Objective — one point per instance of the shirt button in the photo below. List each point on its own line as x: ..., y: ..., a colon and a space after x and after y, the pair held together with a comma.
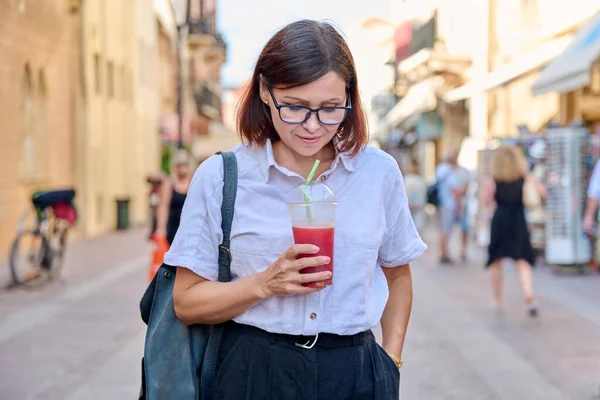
x: 313, y: 316
x: 323, y: 178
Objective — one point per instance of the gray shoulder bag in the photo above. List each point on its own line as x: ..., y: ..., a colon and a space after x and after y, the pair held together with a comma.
x: 180, y: 361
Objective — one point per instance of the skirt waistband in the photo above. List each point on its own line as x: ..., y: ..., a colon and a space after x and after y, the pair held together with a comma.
x: 320, y: 340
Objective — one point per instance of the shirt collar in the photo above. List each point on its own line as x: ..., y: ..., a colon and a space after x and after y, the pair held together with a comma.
x: 267, y: 159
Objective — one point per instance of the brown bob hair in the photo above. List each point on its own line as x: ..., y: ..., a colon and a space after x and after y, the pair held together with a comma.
x: 298, y: 54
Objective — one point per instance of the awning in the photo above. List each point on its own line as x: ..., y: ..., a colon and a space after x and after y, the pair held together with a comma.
x: 420, y: 98
x: 462, y: 92
x: 571, y: 70
x: 506, y: 73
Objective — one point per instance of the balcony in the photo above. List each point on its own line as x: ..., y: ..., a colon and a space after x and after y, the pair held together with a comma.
x: 202, y: 33
x: 208, y: 102
x: 222, y: 45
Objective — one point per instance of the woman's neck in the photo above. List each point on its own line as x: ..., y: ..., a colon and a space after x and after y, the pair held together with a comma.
x: 181, y: 181
x: 300, y: 164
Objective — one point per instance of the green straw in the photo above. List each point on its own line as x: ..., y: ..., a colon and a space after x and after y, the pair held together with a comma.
x: 310, y: 177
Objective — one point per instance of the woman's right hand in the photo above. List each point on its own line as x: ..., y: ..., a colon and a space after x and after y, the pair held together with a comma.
x: 283, y: 277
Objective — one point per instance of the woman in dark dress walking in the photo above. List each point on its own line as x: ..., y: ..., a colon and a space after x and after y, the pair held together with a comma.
x: 509, y: 232
x: 173, y: 194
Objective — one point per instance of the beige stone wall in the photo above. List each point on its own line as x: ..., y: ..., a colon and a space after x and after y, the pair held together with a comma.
x: 517, y: 29
x: 121, y: 141
x: 166, y: 73
x: 38, y: 139
x: 108, y: 45
x: 146, y: 142
x: 94, y: 128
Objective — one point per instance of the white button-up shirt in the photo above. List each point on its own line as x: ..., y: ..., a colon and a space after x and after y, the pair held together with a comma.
x: 373, y: 229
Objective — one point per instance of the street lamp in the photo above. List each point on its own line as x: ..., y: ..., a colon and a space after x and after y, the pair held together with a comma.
x: 180, y: 14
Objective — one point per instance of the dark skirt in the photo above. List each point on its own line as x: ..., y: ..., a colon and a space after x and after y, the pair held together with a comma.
x: 510, y: 236
x: 254, y: 364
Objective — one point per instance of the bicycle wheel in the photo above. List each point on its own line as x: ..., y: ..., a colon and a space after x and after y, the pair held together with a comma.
x: 26, y: 255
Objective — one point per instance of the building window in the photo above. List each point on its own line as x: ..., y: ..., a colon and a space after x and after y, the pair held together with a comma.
x: 28, y: 148
x: 97, y: 74
x: 41, y: 128
x: 110, y: 79
x: 123, y: 81
x: 129, y: 85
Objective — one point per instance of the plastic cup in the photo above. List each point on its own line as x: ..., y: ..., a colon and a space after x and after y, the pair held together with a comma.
x: 313, y: 223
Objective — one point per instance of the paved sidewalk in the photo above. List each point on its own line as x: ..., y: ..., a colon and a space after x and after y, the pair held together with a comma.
x: 84, y: 259
x: 83, y: 339
x: 459, y: 347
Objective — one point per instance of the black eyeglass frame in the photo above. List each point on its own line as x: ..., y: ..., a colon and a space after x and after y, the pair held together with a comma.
x: 310, y: 111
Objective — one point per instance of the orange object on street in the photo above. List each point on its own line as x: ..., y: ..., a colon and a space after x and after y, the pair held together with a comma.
x: 158, y: 254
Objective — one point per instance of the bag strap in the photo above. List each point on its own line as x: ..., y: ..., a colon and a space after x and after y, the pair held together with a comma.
x: 230, y: 178
x: 209, y: 364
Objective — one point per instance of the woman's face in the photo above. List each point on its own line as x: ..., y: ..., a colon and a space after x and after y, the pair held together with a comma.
x: 182, y: 170
x: 307, y: 138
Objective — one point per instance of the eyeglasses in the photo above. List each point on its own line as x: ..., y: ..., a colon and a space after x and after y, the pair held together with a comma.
x: 300, y: 114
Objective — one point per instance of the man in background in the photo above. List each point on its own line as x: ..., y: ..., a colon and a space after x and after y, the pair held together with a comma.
x: 463, y: 179
x: 453, y: 183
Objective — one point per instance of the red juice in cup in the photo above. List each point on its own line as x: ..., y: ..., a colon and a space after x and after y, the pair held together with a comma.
x: 312, y: 213
x: 321, y: 237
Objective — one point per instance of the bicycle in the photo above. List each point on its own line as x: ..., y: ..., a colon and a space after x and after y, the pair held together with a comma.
x: 38, y: 252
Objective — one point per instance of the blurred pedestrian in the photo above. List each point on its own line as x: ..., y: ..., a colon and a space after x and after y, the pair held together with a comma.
x: 463, y: 183
x: 591, y: 212
x: 449, y: 209
x: 287, y: 334
x: 416, y: 190
x: 173, y: 194
x: 155, y: 181
x: 509, y: 232
x: 593, y: 199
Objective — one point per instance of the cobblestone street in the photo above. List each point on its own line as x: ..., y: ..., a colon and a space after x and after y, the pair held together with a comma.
x: 82, y: 338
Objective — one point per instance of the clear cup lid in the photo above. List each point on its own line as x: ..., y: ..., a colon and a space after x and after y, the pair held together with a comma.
x: 316, y: 191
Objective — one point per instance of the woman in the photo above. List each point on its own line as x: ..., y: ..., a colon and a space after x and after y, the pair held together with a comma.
x: 289, y: 341
x: 172, y: 197
x: 509, y: 232
x: 416, y: 188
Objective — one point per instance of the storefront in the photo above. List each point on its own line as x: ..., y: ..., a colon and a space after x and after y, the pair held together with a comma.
x: 575, y: 75
x: 415, y: 127
x: 419, y: 126
x: 508, y: 88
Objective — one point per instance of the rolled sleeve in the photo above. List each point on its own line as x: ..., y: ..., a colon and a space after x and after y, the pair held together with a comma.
x: 402, y: 243
x: 196, y: 243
